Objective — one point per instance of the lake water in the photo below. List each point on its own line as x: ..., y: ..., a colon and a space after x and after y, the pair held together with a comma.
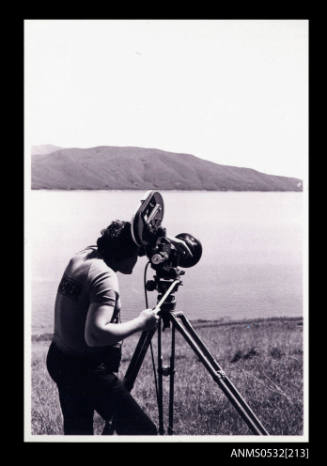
x: 252, y: 250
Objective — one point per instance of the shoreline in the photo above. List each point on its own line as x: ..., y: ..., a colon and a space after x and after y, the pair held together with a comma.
x: 203, y: 323
x: 175, y: 190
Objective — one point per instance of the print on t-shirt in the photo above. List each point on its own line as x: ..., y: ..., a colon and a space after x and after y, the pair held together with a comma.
x: 69, y: 287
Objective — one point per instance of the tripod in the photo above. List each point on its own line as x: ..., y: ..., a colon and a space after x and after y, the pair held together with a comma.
x: 177, y: 320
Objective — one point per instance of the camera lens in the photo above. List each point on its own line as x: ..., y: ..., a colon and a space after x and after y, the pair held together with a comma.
x: 195, y: 247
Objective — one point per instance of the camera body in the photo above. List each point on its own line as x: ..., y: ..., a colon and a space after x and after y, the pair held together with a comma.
x: 164, y: 252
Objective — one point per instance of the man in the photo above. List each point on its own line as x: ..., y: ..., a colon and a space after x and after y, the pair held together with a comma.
x: 85, y: 353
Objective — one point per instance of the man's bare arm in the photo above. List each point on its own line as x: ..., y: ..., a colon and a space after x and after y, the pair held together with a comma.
x: 100, y: 332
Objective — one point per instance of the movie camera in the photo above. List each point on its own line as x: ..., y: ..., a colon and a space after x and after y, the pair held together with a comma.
x: 165, y: 254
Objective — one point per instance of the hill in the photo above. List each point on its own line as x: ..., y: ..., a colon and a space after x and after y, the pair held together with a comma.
x: 107, y: 167
x: 44, y: 149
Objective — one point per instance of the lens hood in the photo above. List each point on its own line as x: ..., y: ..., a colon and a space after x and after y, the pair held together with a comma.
x: 196, y: 249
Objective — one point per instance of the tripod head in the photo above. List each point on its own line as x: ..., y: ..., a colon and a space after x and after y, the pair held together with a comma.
x: 166, y: 299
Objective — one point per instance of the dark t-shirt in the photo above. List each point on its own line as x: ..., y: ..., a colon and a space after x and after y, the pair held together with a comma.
x: 87, y: 279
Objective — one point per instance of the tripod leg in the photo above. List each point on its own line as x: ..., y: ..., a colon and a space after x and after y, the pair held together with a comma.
x: 213, y: 361
x: 171, y: 383
x: 220, y: 378
x: 160, y: 383
x: 138, y: 358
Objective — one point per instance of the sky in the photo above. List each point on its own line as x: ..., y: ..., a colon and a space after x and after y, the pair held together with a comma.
x: 233, y: 92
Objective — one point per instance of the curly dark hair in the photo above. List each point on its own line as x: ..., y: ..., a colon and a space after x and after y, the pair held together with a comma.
x: 116, y: 241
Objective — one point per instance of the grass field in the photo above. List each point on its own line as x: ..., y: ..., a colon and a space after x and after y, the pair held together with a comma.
x: 263, y: 359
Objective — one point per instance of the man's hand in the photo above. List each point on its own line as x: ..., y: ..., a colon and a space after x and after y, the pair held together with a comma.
x: 149, y: 318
